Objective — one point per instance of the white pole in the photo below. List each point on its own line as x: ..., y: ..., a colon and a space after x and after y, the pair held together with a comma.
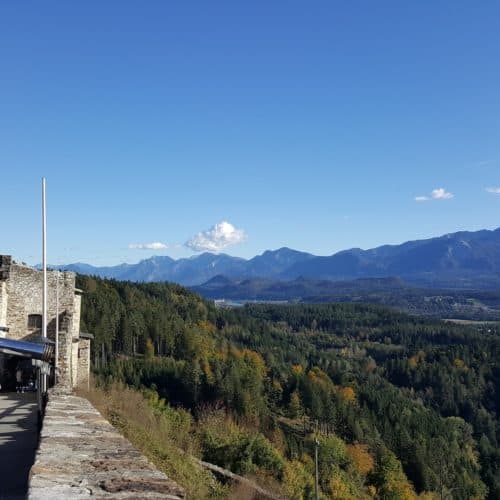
x: 316, y: 474
x: 57, y: 323
x: 44, y: 266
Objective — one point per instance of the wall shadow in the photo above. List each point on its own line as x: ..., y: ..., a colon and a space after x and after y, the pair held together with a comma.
x: 18, y: 443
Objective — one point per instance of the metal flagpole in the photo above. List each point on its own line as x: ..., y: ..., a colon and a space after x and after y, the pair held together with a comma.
x: 44, y: 266
x: 56, y: 363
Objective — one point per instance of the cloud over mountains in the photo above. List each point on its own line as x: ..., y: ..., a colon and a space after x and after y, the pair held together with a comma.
x: 215, y: 239
x: 156, y: 245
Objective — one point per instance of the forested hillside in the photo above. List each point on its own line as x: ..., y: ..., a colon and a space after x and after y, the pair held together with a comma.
x: 401, y: 406
x: 478, y: 305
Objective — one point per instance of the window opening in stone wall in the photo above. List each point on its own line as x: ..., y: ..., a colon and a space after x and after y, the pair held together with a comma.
x: 35, y: 321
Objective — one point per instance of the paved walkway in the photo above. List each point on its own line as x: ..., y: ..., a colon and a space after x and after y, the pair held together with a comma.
x: 18, y: 442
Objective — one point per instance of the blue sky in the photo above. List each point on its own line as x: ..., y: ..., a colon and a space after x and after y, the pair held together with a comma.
x: 313, y: 125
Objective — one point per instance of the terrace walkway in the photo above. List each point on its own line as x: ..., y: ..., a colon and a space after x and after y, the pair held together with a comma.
x: 18, y: 443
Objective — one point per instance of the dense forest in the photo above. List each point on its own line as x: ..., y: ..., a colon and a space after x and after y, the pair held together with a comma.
x: 468, y: 304
x: 401, y: 406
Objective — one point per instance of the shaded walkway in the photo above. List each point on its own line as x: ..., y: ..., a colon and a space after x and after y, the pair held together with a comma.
x: 18, y: 442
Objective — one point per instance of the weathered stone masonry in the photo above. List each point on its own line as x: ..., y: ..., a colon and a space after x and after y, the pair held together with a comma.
x: 21, y: 309
x: 83, y: 360
x: 81, y: 455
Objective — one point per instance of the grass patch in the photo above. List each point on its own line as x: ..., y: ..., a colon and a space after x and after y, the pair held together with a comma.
x: 160, y: 432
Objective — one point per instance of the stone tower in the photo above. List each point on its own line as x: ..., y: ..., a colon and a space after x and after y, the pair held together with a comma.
x: 21, y: 314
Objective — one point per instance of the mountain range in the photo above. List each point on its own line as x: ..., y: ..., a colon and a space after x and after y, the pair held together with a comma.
x: 199, y: 268
x: 458, y: 260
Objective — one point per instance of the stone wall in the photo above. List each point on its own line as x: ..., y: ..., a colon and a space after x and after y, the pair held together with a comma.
x: 81, y: 455
x: 3, y: 308
x: 77, y: 307
x: 64, y: 367
x: 74, y: 362
x: 83, y: 363
x: 5, y: 263
x: 21, y: 289
x: 24, y: 297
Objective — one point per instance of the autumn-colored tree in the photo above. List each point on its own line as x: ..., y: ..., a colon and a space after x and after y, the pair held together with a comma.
x: 207, y: 326
x: 460, y: 364
x: 348, y: 394
x: 340, y: 488
x: 298, y: 482
x: 317, y: 376
x: 150, y: 349
x: 361, y: 458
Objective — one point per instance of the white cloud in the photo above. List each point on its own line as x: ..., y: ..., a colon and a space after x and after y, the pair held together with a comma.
x: 216, y: 238
x: 441, y: 194
x: 156, y: 245
x: 494, y: 190
x: 436, y: 194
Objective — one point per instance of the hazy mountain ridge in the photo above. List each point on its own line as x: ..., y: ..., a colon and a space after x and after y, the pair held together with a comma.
x: 198, y: 269
x: 465, y: 252
x: 457, y: 260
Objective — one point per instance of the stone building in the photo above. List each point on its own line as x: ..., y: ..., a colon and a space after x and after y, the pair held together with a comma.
x: 21, y: 289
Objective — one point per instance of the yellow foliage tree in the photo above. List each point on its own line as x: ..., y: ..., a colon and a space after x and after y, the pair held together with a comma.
x: 342, y: 487
x: 298, y: 483
x: 207, y: 326
x: 348, y: 394
x: 318, y: 376
x: 416, y: 359
x: 393, y: 482
x: 339, y: 490
x: 150, y: 349
x: 413, y: 362
x: 361, y: 458
x: 460, y: 364
x: 255, y: 359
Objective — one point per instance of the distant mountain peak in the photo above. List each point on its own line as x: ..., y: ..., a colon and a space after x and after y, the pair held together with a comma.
x: 465, y: 259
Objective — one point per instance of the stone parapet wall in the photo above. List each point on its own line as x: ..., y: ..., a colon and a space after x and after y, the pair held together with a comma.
x: 81, y: 455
